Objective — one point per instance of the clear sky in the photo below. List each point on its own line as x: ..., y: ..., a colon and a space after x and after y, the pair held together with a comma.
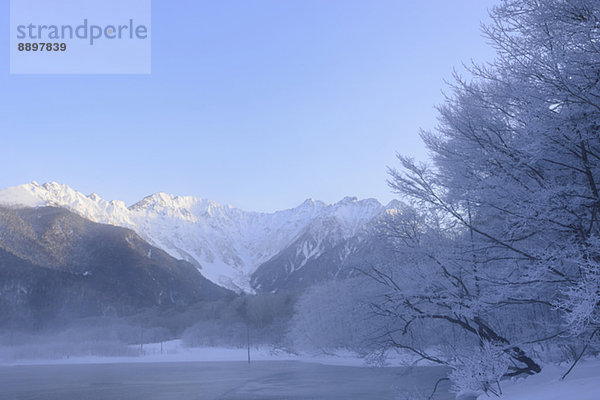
x: 259, y: 104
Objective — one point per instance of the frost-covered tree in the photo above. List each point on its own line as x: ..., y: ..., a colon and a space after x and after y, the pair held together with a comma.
x: 334, y: 315
x: 442, y: 301
x: 505, y: 240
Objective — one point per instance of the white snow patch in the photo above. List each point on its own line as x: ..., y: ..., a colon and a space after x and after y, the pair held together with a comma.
x: 583, y: 383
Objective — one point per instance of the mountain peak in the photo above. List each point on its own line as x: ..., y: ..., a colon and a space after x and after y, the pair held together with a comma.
x: 54, y: 185
x: 349, y: 199
x: 163, y: 200
x: 354, y: 202
x: 311, y: 203
x: 94, y: 197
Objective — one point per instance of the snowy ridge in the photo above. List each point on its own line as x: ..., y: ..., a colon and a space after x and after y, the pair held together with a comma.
x: 227, y: 244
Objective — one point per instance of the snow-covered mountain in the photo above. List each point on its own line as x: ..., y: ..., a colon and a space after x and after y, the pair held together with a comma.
x: 227, y: 244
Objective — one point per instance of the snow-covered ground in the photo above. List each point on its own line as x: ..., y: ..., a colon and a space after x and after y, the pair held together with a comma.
x: 583, y: 383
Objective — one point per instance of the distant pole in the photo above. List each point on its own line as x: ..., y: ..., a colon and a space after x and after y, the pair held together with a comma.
x: 161, y: 347
x: 248, y: 337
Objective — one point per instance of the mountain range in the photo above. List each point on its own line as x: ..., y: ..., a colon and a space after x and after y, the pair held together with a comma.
x: 238, y: 250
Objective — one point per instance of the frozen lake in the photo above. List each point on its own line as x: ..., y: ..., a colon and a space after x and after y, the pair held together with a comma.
x: 260, y: 380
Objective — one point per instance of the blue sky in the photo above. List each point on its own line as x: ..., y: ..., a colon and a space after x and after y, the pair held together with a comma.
x: 259, y: 104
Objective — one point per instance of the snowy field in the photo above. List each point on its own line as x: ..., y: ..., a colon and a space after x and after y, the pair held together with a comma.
x: 583, y: 383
